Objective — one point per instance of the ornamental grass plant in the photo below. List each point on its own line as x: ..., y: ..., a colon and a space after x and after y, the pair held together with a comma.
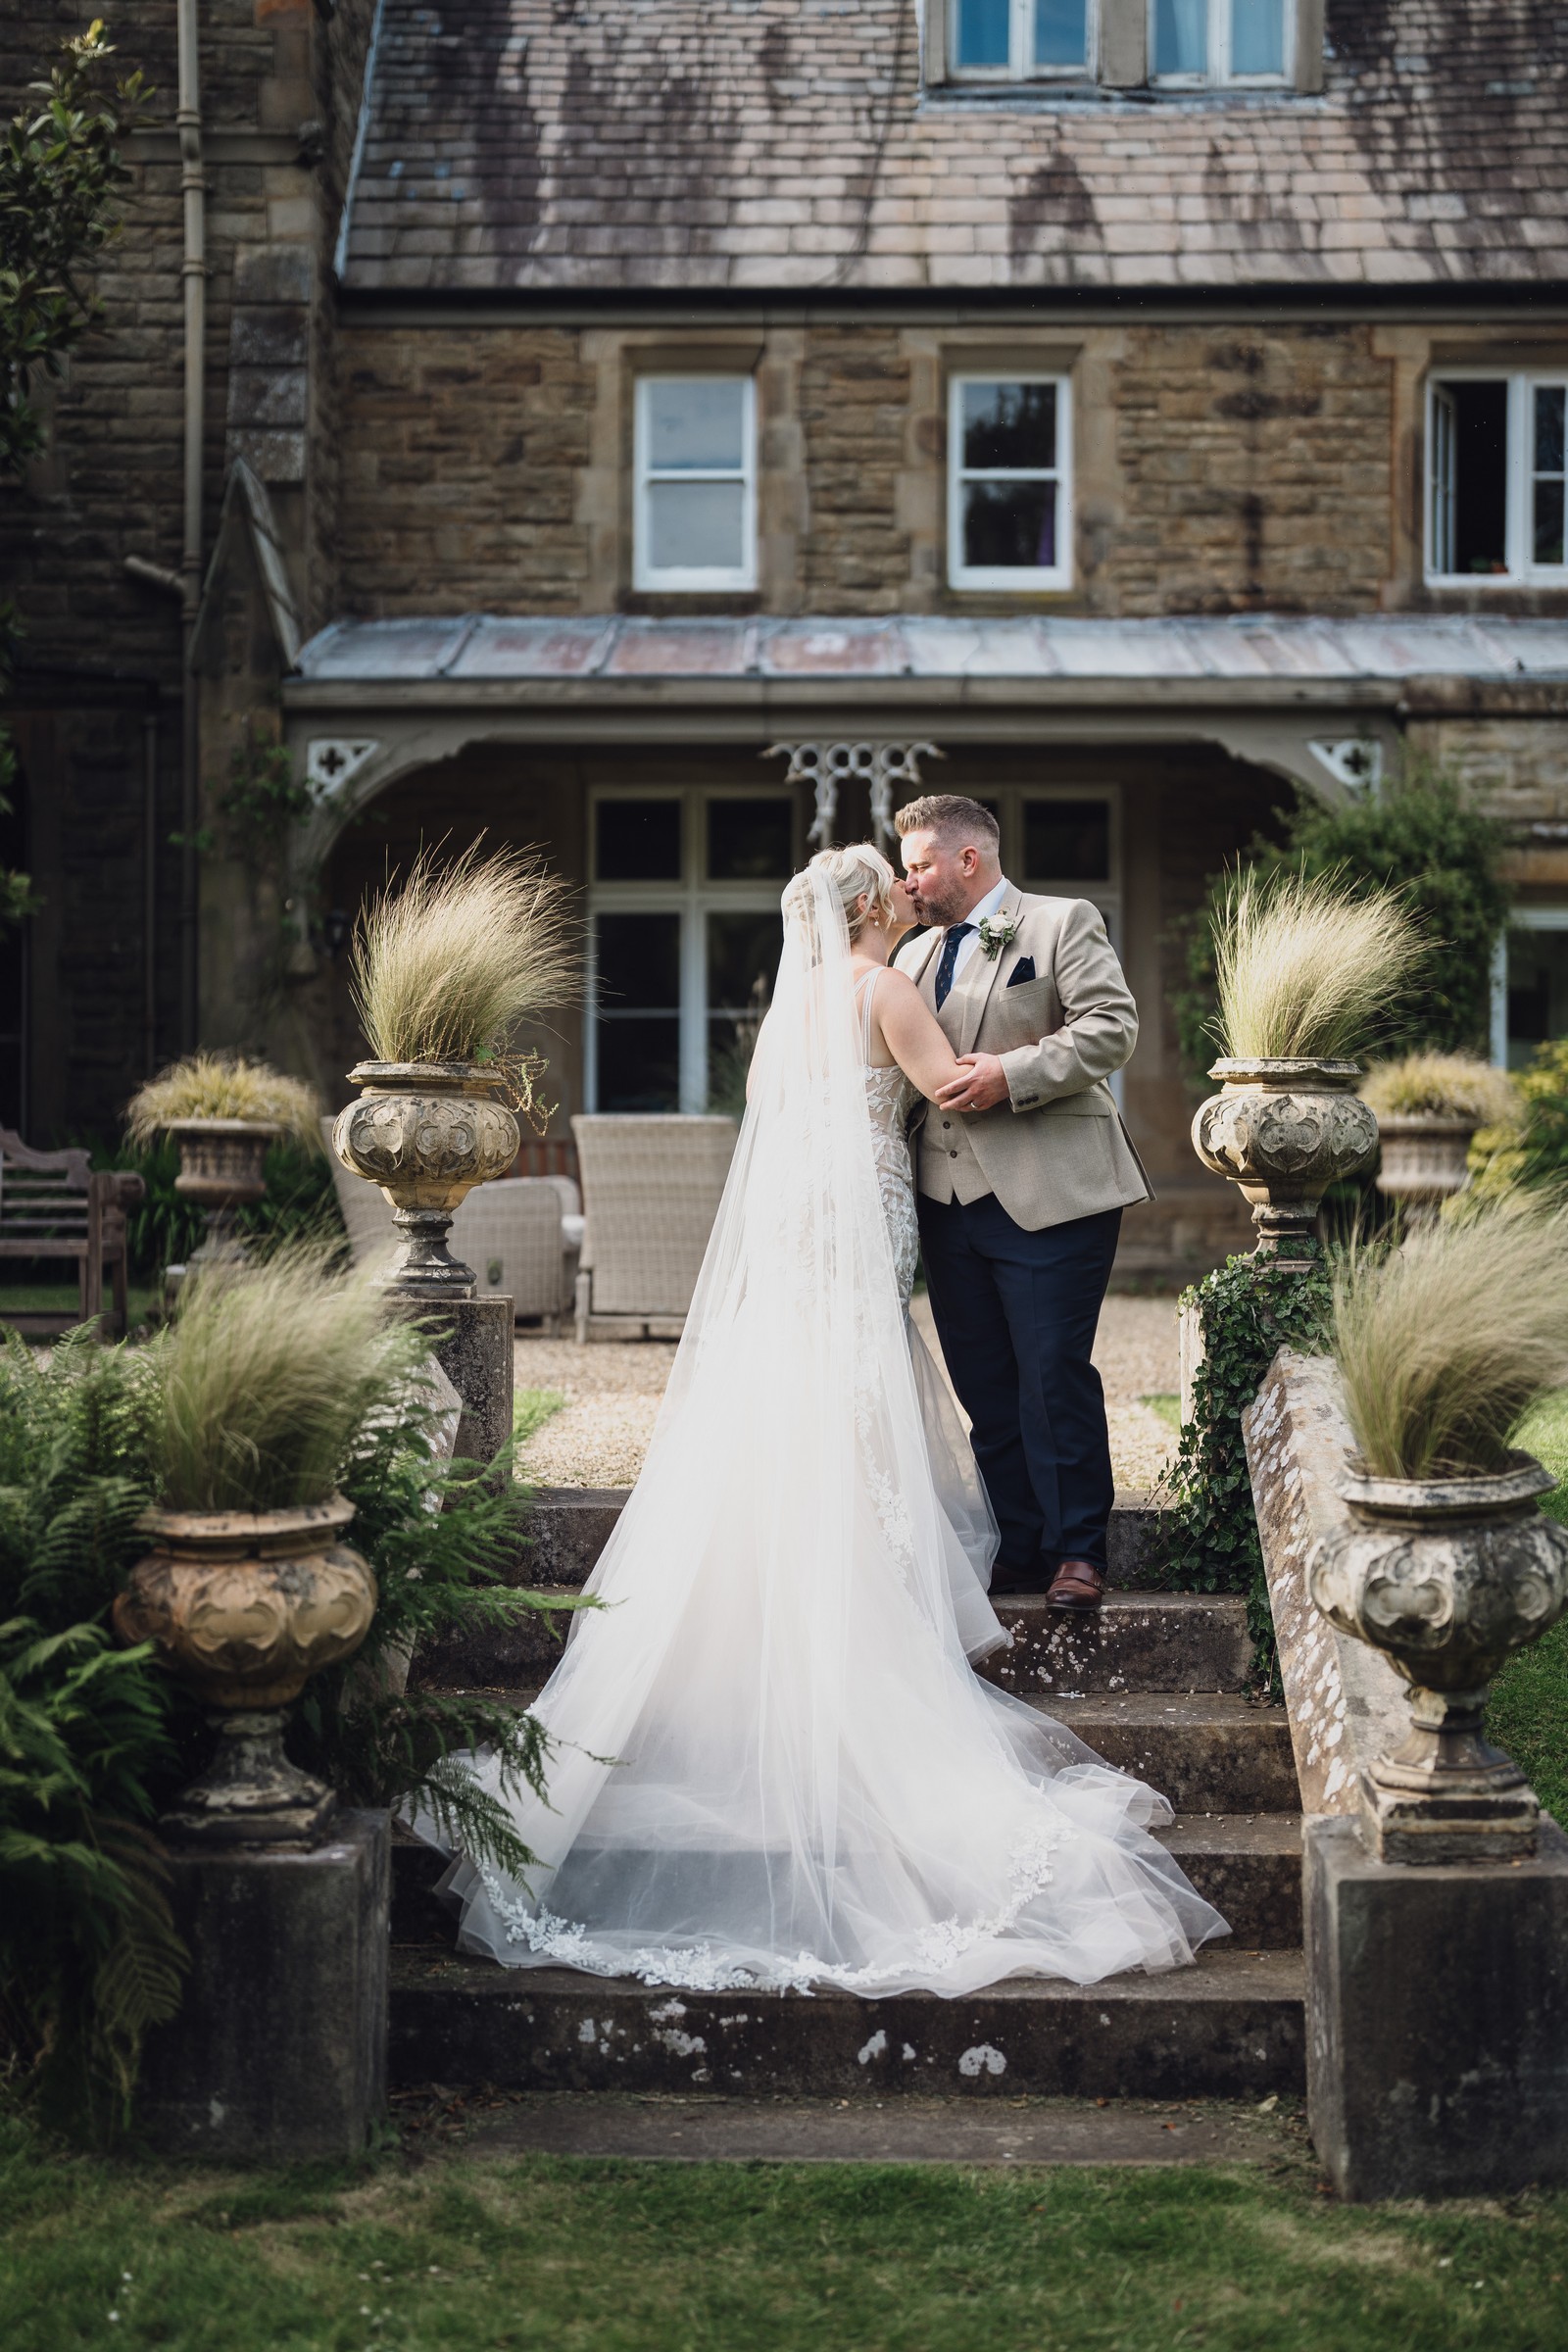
x: 1445, y: 1344
x: 1305, y: 970
x: 1441, y: 1086
x: 269, y: 1377
x: 225, y: 1086
x: 448, y: 967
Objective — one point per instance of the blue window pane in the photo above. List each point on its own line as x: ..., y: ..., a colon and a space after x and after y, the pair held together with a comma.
x: 1257, y: 37
x: 983, y: 32
x: 1181, y: 36
x: 1061, y: 33
x: 1549, y: 418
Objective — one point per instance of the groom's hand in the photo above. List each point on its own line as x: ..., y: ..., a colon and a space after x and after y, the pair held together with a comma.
x: 982, y: 1087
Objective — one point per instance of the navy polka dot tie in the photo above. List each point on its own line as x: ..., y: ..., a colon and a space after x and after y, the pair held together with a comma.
x: 959, y: 933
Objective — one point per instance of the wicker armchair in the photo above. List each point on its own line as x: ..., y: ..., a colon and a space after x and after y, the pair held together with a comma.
x: 651, y: 1191
x: 520, y: 1236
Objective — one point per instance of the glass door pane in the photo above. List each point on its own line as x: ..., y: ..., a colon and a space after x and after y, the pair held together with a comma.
x: 751, y: 840
x: 637, y: 1011
x: 1066, y: 841
x: 743, y: 952
x: 637, y: 841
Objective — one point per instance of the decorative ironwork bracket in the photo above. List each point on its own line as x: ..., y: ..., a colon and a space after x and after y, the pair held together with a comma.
x: 829, y: 767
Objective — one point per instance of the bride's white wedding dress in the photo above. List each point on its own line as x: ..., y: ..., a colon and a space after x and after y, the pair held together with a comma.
x: 775, y: 1765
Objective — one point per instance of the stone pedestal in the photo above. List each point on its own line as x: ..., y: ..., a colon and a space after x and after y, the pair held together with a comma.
x: 280, y: 2047
x: 1437, y: 2019
x: 473, y: 1348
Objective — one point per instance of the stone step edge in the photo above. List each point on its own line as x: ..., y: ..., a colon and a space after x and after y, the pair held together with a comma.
x: 1231, y: 2025
x: 1247, y: 1864
x: 570, y: 1526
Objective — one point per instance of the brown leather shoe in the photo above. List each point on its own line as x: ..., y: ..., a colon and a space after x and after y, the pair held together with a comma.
x: 1077, y: 1585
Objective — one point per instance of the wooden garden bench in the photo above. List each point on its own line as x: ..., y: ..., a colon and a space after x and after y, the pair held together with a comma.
x: 53, y: 1205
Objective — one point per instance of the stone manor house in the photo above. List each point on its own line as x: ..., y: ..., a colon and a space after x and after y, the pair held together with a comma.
x: 664, y: 431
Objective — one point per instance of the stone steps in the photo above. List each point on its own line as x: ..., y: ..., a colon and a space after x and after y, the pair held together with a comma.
x: 1153, y: 1684
x: 1249, y: 1866
x: 1207, y: 1754
x: 1190, y: 1641
x: 1230, y: 2027
x: 570, y: 1527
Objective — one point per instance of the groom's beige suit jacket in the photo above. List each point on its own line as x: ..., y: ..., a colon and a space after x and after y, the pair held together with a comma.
x: 1056, y: 1149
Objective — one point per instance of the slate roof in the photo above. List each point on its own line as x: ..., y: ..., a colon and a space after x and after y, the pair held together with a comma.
x: 1252, y: 648
x: 789, y: 144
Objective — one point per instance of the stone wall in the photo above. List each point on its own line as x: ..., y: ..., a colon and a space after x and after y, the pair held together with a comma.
x: 461, y: 453
x: 1216, y: 470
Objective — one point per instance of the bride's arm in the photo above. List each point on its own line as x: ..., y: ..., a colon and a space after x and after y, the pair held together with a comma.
x: 913, y: 1035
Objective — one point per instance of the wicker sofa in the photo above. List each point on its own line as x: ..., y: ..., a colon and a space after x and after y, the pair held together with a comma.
x: 521, y: 1236
x: 651, y: 1191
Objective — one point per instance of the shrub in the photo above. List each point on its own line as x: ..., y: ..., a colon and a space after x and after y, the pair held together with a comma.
x: 1420, y: 836
x: 1444, y: 1345
x: 1247, y: 1310
x: 1303, y: 968
x: 446, y: 969
x: 1528, y: 1149
x: 1440, y: 1086
x: 225, y: 1086
x: 269, y: 1377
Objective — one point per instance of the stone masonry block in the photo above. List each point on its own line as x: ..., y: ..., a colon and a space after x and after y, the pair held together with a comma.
x: 280, y: 2047
x: 1437, y: 2020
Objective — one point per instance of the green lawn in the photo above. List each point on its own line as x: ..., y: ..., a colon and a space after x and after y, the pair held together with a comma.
x: 463, y: 2252
x: 1168, y: 1406
x: 1528, y: 1713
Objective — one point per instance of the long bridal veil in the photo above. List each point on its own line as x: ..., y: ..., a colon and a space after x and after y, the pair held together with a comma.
x: 775, y: 1765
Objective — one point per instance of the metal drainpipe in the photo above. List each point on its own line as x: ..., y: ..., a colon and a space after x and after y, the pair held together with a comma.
x: 148, y: 891
x: 193, y: 188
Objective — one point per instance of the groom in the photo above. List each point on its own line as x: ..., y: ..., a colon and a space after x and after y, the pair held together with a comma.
x: 1023, y: 1168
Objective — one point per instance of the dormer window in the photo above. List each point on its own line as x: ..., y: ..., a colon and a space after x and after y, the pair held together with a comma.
x: 1201, y: 42
x: 1168, y: 47
x: 1020, y: 40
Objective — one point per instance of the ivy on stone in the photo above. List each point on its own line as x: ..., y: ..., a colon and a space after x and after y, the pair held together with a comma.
x: 1248, y: 1309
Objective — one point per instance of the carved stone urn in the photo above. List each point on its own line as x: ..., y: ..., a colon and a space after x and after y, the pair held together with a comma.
x: 428, y: 1132
x: 221, y: 1166
x: 1447, y: 1577
x: 245, y: 1607
x: 1284, y: 1132
x: 1425, y: 1158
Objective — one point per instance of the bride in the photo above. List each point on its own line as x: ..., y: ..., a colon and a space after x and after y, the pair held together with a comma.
x: 773, y: 1765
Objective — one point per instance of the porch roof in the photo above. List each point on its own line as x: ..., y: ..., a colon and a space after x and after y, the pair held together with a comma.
x: 1190, y: 656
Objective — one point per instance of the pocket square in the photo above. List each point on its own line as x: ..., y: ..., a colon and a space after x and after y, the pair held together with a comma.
x: 1021, y: 973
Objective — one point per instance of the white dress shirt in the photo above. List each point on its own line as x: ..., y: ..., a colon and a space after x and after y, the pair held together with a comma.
x: 969, y: 947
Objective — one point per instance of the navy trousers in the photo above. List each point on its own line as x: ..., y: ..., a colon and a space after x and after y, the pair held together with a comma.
x: 1016, y: 1314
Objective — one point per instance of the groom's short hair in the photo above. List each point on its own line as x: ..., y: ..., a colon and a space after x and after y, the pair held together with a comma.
x: 952, y: 817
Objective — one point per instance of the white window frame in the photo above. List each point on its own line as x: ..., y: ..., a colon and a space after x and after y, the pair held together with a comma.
x: 1522, y: 569
x: 693, y: 897
x: 1020, y: 64
x: 694, y: 578
x: 1022, y: 578
x: 1219, y: 75
x: 1522, y: 918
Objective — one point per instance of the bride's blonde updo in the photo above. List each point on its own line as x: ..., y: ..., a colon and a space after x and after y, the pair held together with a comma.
x: 861, y: 871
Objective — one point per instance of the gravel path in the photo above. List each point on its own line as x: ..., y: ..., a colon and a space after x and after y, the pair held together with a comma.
x: 612, y: 1389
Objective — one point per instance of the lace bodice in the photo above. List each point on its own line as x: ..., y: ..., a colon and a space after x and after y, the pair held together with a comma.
x: 890, y: 1098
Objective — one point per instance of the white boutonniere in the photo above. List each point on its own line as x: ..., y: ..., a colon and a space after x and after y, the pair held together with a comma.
x: 997, y: 931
